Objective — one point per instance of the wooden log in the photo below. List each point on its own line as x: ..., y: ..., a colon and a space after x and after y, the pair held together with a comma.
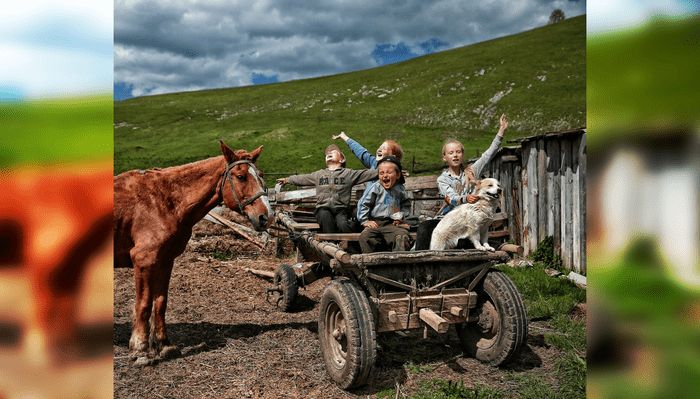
x: 433, y: 320
x: 394, y: 258
x: 511, y: 248
x: 330, y: 250
x: 577, y: 279
x: 293, y: 225
x: 261, y: 273
x: 249, y: 234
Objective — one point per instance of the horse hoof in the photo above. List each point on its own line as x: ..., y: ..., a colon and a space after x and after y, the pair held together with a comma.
x: 169, y: 352
x: 142, y: 361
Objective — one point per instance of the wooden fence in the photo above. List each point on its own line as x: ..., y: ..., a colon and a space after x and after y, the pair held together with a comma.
x: 544, y: 181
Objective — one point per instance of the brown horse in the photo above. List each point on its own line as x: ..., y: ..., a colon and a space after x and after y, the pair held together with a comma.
x: 154, y: 213
x: 54, y: 223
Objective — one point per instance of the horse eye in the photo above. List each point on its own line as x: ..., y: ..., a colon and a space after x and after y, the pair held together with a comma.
x: 241, y: 177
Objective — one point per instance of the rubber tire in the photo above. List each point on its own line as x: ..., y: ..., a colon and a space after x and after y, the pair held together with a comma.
x: 496, y: 292
x: 286, y: 280
x: 343, y: 300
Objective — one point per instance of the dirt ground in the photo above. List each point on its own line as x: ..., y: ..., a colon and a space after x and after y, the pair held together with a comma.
x: 236, y: 344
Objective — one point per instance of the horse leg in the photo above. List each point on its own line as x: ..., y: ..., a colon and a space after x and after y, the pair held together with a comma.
x: 144, y: 268
x: 158, y: 336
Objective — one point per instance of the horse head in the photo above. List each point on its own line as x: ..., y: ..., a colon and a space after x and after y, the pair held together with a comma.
x: 243, y: 188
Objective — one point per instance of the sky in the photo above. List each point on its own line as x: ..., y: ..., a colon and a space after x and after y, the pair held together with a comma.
x: 166, y: 46
x: 609, y: 15
x: 55, y: 48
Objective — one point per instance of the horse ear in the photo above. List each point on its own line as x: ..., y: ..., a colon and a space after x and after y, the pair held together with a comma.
x: 256, y: 153
x: 228, y: 152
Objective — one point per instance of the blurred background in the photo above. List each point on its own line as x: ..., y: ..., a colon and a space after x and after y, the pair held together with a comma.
x: 56, y: 140
x: 56, y: 147
x: 643, y: 124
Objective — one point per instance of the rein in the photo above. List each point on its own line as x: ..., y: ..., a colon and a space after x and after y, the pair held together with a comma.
x: 227, y: 176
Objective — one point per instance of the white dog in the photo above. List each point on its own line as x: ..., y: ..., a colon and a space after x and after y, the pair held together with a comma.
x: 469, y: 220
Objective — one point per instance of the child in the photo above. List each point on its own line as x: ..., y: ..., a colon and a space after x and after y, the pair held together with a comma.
x: 383, y: 208
x: 388, y: 147
x: 456, y: 181
x: 333, y: 189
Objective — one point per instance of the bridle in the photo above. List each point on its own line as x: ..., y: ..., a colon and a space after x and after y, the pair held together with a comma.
x: 227, y: 176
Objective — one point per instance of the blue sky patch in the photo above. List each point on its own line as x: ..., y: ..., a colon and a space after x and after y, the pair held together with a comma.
x: 261, y: 78
x: 387, y: 53
x: 122, y: 91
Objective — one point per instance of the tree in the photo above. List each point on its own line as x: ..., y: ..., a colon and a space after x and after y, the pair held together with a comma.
x: 556, y: 16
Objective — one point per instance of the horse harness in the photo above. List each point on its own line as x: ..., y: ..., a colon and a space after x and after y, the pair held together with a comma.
x: 228, y: 176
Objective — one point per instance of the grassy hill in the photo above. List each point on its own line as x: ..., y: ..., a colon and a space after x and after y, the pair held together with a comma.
x: 645, y: 76
x: 58, y: 130
x: 536, y: 77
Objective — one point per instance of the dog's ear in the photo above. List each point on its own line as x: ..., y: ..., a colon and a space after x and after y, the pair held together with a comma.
x: 476, y: 186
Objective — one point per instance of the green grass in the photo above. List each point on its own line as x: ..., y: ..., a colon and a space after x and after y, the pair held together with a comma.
x: 544, y: 296
x: 419, y: 102
x: 51, y: 131
x: 443, y: 389
x: 643, y: 77
x: 650, y: 311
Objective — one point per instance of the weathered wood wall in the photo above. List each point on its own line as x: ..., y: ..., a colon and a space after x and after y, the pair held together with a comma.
x: 544, y: 183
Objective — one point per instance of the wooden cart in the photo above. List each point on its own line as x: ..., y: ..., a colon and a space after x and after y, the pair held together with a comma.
x: 393, y: 291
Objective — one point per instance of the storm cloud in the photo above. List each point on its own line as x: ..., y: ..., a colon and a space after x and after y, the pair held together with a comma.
x: 166, y: 46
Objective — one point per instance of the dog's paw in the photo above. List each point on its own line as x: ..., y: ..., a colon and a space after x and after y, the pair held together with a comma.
x: 490, y: 248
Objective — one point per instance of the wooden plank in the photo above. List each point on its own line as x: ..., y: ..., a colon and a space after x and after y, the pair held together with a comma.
x: 566, y: 203
x: 346, y: 236
x: 499, y: 234
x: 510, y: 158
x: 421, y: 182
x: 582, y: 154
x: 291, y: 196
x: 542, y: 188
x: 554, y: 209
x: 532, y: 198
x: 516, y: 192
x: 575, y: 208
x: 258, y: 239
x: 508, y: 197
x: 525, y: 200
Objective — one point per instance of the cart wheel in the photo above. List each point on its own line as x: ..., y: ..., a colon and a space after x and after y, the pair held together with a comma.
x: 285, y: 282
x: 347, y: 335
x: 501, y: 330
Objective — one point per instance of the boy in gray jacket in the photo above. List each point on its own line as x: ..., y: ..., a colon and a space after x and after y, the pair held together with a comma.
x: 383, y: 209
x: 333, y: 190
